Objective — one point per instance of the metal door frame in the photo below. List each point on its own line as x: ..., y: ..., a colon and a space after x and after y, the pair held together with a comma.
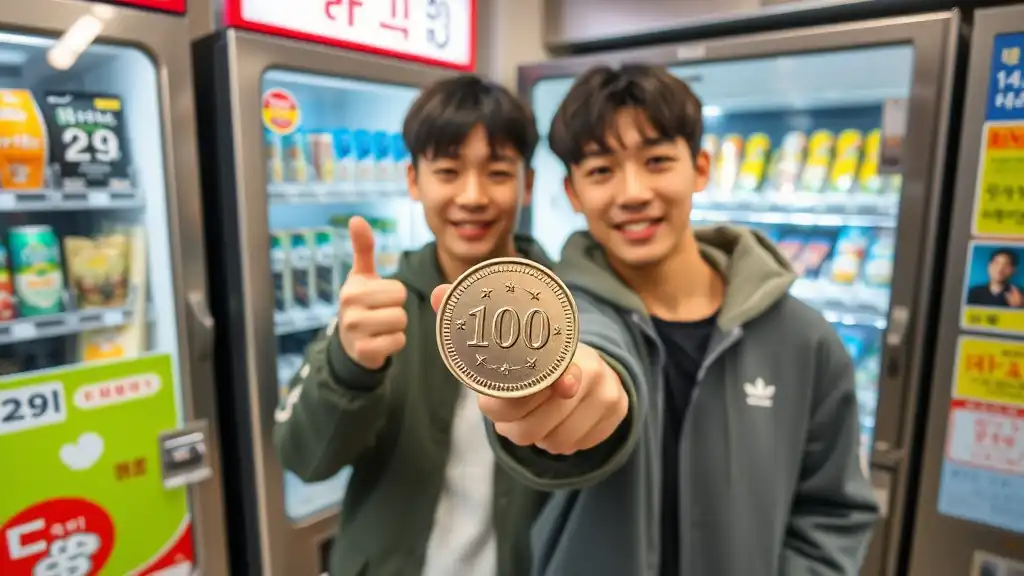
x: 285, y: 547
x: 934, y: 39
x: 935, y: 531
x: 164, y: 38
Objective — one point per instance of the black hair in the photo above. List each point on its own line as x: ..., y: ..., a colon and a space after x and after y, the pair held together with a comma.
x: 1010, y: 255
x: 588, y: 112
x: 446, y: 112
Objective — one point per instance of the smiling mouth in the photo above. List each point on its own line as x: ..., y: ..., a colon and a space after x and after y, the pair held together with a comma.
x: 472, y: 230
x: 639, y: 230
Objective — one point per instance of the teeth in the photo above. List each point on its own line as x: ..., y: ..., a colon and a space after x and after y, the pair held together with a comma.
x: 636, y: 226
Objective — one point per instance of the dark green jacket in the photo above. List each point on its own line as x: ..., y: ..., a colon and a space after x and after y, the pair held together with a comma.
x: 393, y: 426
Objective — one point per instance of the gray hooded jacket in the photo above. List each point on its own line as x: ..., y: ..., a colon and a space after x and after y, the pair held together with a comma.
x: 770, y: 478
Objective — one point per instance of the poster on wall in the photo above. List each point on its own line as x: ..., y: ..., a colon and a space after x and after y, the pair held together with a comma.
x: 983, y: 473
x: 86, y: 496
x: 993, y: 292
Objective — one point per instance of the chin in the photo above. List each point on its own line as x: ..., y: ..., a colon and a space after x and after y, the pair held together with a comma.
x: 640, y: 256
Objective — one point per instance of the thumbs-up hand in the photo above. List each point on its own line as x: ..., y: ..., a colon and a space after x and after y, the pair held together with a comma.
x: 372, y: 316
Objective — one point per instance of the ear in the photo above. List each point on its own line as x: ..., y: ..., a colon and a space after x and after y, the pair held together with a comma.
x: 702, y: 170
x: 527, y: 186
x: 410, y: 180
x: 570, y: 191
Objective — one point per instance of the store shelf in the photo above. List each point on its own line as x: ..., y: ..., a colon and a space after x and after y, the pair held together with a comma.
x: 62, y: 200
x: 854, y: 305
x: 289, y: 193
x: 302, y: 320
x: 831, y: 210
x: 64, y: 324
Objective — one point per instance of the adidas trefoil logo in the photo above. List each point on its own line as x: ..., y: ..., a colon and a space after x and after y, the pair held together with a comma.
x: 759, y: 393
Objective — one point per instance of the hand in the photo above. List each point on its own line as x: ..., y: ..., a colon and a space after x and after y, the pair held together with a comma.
x: 1014, y: 298
x: 371, y: 318
x: 578, y: 411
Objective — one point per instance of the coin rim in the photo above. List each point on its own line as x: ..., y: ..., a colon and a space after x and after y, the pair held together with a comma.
x: 495, y: 262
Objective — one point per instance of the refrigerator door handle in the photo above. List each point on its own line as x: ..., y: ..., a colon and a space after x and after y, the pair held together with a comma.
x: 200, y: 326
x: 895, y: 341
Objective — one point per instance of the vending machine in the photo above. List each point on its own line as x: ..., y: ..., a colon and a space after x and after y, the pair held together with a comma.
x: 299, y: 134
x: 970, y: 504
x: 831, y: 141
x: 108, y: 424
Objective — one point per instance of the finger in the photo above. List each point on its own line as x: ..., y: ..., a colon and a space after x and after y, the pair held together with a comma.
x: 563, y: 438
x: 375, y: 322
x: 438, y: 295
x: 378, y: 293
x: 380, y: 347
x: 362, y: 247
x: 569, y: 384
x: 511, y: 409
x: 539, y: 423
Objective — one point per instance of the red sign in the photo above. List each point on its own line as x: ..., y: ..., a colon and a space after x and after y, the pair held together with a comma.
x: 175, y: 6
x: 435, y: 32
x: 60, y: 536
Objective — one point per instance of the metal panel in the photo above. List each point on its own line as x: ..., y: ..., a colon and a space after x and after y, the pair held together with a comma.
x: 943, y: 544
x: 164, y: 39
x: 286, y: 548
x: 934, y: 39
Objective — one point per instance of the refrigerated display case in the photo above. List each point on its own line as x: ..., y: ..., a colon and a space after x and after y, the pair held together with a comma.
x: 970, y: 503
x: 105, y: 340
x: 829, y: 140
x: 302, y: 138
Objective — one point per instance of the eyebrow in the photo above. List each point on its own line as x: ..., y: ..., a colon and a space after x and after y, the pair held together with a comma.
x: 595, y: 150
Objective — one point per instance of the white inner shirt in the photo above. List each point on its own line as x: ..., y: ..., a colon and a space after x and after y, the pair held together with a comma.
x: 462, y: 540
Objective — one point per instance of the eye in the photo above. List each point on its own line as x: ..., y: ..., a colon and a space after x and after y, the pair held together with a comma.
x: 500, y: 175
x: 598, y: 171
x: 660, y: 162
x: 446, y: 174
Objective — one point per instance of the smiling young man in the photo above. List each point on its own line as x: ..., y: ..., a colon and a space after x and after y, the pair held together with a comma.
x: 425, y: 496
x: 739, y: 453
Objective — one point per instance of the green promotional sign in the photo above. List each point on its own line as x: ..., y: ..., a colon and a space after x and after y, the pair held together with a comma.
x: 82, y: 487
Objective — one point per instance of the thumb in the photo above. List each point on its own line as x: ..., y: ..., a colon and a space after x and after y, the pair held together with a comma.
x: 568, y: 385
x: 438, y: 295
x: 362, y: 247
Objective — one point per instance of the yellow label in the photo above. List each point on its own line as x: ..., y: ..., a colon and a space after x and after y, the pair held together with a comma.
x: 994, y: 319
x: 107, y: 104
x: 1000, y: 194
x: 990, y: 370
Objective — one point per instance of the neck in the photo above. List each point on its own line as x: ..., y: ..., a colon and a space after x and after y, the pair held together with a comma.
x: 996, y: 287
x: 681, y: 288
x: 453, y: 267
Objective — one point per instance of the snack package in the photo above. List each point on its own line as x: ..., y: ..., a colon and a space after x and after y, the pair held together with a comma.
x: 98, y: 270
x: 881, y: 256
x: 790, y: 246
x: 786, y: 162
x: 23, y: 141
x: 812, y: 257
x: 868, y: 180
x: 847, y: 161
x: 7, y: 308
x: 819, y: 158
x: 849, y: 255
x: 755, y: 160
x: 344, y: 157
x: 296, y: 157
x: 727, y: 164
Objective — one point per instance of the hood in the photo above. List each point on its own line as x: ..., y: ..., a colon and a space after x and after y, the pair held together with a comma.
x: 421, y: 273
x: 757, y: 275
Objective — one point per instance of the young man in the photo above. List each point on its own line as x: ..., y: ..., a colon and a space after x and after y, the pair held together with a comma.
x: 425, y: 496
x: 739, y: 452
x: 999, y: 291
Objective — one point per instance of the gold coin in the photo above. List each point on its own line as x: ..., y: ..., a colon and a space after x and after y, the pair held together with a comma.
x: 507, y: 328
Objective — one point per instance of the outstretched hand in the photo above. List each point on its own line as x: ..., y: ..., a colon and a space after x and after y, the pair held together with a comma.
x: 578, y: 411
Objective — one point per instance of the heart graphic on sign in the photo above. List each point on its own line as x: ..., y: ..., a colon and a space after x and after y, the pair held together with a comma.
x: 81, y: 455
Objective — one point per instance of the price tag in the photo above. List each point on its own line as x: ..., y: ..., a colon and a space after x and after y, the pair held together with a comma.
x: 437, y: 32
x: 23, y: 331
x: 988, y: 436
x: 8, y: 200
x: 113, y: 318
x: 99, y: 198
x: 1006, y: 83
x: 31, y: 407
x: 87, y: 143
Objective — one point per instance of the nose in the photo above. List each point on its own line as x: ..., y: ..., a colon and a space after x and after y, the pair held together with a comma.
x: 637, y: 191
x: 472, y: 194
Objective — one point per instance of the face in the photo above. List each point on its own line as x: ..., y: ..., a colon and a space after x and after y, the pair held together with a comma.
x: 472, y: 201
x: 1000, y: 268
x: 637, y: 196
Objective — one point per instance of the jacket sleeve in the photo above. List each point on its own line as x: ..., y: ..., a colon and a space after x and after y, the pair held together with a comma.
x: 834, y: 510
x: 606, y: 333
x: 333, y: 413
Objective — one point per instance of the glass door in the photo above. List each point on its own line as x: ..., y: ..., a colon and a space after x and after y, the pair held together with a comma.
x: 334, y: 150
x: 89, y: 366
x: 797, y: 153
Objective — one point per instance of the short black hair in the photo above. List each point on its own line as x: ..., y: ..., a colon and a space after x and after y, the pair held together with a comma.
x: 446, y: 112
x: 588, y: 112
x: 1010, y: 255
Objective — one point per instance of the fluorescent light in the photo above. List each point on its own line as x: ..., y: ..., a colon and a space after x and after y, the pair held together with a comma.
x: 78, y: 37
x: 711, y: 111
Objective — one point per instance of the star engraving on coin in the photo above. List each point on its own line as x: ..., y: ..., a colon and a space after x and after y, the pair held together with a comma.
x: 512, y: 342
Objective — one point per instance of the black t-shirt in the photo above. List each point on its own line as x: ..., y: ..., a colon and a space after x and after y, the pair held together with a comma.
x: 685, y: 345
x: 982, y: 296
